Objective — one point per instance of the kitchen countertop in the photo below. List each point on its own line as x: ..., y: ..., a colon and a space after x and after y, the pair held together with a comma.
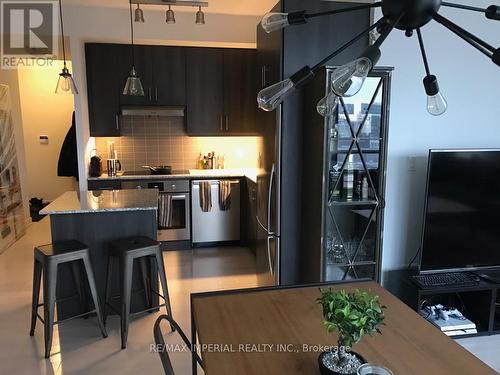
x: 77, y: 202
x: 251, y: 173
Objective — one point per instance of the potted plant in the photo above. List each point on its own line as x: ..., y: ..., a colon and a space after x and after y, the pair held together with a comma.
x: 353, y: 315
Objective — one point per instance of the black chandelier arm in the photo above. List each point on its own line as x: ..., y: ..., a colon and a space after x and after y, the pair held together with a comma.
x: 386, y: 31
x: 492, y: 12
x: 422, y: 50
x: 319, y: 65
x: 473, y: 40
x: 343, y: 10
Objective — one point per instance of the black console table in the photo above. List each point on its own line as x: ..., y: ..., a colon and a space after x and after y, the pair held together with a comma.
x: 479, y: 303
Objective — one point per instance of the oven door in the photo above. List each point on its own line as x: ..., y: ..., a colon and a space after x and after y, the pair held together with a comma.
x: 177, y: 227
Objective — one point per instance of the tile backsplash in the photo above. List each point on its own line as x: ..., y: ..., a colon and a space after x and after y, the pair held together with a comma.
x: 163, y: 141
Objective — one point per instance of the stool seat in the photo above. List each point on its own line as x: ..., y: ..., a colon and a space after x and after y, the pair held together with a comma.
x: 127, y: 251
x: 133, y: 244
x: 47, y: 259
x: 61, y: 249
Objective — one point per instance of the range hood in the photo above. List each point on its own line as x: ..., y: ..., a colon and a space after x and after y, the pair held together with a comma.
x: 153, y: 111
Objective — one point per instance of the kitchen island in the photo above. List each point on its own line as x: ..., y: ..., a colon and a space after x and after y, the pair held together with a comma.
x: 96, y: 218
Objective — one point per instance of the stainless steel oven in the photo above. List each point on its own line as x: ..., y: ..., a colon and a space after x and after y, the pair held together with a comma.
x: 174, y: 222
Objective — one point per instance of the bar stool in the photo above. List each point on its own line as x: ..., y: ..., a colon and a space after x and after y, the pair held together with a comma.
x: 128, y: 250
x: 47, y: 258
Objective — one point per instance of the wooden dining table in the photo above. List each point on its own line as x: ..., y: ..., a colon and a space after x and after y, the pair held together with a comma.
x: 280, y: 330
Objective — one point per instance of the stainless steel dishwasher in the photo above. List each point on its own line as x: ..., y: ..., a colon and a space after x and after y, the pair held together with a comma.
x: 215, y: 225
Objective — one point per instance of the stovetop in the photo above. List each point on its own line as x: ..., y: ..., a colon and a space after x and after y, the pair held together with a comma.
x: 148, y: 173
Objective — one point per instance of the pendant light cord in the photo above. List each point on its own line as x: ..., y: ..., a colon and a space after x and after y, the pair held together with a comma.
x: 62, y: 31
x: 131, y: 34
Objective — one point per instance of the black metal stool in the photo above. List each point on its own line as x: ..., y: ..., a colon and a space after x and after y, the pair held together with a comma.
x: 127, y: 251
x: 47, y: 260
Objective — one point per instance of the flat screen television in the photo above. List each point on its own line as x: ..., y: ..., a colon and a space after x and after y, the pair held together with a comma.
x: 462, y: 211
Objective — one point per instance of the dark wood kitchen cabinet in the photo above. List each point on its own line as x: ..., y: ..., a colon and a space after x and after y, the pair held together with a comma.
x: 103, y: 83
x: 163, y: 74
x: 218, y: 86
x: 205, y: 91
x: 221, y: 91
x: 240, y: 91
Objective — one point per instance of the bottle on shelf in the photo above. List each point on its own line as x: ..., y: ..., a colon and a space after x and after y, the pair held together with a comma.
x: 335, y: 168
x: 349, y: 178
x: 200, y: 162
x: 364, y: 189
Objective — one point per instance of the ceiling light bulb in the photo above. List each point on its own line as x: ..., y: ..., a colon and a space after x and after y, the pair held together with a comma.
x: 139, y: 14
x: 436, y: 103
x: 66, y: 84
x: 170, y: 16
x: 200, y: 17
x: 348, y: 79
x: 326, y: 106
x: 274, y: 21
x: 271, y: 97
x: 133, y: 86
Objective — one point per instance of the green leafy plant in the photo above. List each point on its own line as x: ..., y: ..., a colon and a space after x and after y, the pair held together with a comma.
x: 353, y: 315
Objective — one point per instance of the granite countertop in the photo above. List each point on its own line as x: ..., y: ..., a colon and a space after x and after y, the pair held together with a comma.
x: 251, y: 173
x: 79, y: 202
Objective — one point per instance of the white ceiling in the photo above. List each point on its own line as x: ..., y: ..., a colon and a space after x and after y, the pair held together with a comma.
x: 239, y: 7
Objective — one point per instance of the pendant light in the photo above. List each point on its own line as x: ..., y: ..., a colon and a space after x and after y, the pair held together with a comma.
x: 348, y: 79
x: 65, y: 84
x: 200, y: 17
x: 133, y: 86
x: 170, y: 16
x: 139, y: 14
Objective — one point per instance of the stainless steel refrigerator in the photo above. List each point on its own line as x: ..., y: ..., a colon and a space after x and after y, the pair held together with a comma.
x: 280, y: 205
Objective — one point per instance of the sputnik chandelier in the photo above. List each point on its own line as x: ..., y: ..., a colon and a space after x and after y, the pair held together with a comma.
x: 347, y: 80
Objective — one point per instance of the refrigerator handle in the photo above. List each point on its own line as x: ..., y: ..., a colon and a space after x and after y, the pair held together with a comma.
x: 269, y: 255
x: 269, y: 200
x: 261, y: 225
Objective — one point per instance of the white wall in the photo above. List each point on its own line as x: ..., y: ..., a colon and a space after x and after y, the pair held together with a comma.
x: 44, y: 113
x: 90, y: 24
x: 470, y: 82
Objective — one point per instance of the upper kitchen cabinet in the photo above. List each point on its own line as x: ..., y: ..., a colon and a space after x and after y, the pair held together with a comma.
x: 169, y: 75
x: 205, y: 91
x: 221, y: 91
x: 163, y: 74
x: 103, y: 89
x: 240, y: 91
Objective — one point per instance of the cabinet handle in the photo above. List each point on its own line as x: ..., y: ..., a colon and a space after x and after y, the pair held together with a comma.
x: 156, y: 94
x: 149, y: 93
x: 117, y: 122
x: 227, y: 122
x: 221, y: 123
x: 262, y: 82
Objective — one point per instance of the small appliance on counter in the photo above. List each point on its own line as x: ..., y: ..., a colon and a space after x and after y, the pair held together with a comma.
x: 95, y: 169
x: 113, y: 164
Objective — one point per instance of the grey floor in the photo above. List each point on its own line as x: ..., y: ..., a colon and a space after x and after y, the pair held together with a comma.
x: 78, y: 347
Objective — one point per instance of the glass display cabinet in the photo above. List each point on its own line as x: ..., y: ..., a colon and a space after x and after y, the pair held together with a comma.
x: 355, y: 169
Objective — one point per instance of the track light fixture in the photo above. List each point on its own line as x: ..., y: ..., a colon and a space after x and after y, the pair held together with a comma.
x: 139, y: 14
x: 170, y: 16
x: 347, y: 80
x: 200, y: 17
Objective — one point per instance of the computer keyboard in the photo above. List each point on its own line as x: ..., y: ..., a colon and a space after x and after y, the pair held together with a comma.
x: 435, y: 280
